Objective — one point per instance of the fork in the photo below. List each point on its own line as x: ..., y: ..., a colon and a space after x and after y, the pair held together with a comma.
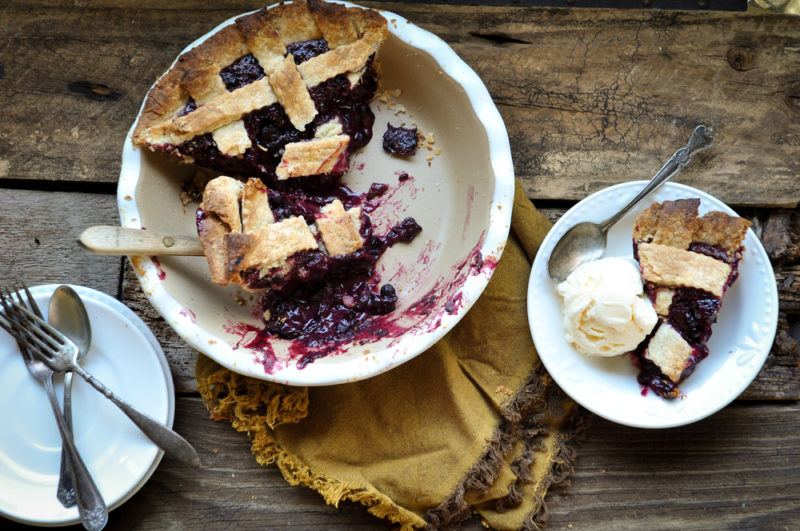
x: 60, y: 354
x: 91, y: 507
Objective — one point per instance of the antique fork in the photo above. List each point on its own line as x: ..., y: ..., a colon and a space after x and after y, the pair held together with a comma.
x: 60, y: 354
x: 91, y: 507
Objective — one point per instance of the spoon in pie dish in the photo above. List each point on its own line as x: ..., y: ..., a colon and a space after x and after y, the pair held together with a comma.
x: 587, y: 241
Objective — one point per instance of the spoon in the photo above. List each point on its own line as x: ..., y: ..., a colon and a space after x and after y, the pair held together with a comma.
x: 68, y: 315
x: 586, y: 242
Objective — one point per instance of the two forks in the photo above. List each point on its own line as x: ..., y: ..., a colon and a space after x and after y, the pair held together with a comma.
x: 47, y: 351
x: 91, y: 507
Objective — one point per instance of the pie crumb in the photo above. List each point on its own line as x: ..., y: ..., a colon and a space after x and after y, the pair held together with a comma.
x: 428, y: 141
x: 193, y: 190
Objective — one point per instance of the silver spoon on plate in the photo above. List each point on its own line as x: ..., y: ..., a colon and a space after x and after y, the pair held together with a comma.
x: 67, y: 314
x: 586, y: 242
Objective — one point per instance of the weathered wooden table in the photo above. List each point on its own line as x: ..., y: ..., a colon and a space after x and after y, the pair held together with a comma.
x: 590, y: 98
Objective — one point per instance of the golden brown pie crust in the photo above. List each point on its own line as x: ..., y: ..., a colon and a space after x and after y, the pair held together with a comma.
x: 677, y: 224
x: 339, y: 228
x: 353, y: 35
x: 667, y: 266
x: 239, y: 230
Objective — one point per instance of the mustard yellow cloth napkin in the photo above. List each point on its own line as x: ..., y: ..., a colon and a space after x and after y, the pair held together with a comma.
x: 473, y: 425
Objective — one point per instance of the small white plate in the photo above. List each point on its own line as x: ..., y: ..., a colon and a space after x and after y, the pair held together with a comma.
x: 128, y: 359
x: 739, y: 344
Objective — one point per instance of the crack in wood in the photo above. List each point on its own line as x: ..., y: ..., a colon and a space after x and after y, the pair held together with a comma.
x: 94, y: 91
x: 498, y: 38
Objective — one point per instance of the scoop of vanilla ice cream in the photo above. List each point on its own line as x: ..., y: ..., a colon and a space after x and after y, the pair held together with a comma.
x: 605, y: 312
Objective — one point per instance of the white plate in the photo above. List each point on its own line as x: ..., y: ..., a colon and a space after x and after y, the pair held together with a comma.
x: 462, y: 199
x: 739, y: 344
x: 127, y: 358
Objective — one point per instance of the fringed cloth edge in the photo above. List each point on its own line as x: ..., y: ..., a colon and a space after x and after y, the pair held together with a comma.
x: 220, y: 397
x: 279, y: 405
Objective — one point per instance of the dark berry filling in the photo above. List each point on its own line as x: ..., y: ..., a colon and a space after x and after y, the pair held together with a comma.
x: 377, y: 190
x: 335, y: 98
x: 305, y: 50
x: 189, y: 107
x: 405, y: 231
x: 241, y: 72
x: 400, y: 140
x: 692, y: 313
x: 204, y: 152
x: 710, y: 250
x: 651, y: 377
x: 325, y: 300
x: 289, y: 203
x: 270, y: 130
x: 319, y: 299
x: 333, y: 312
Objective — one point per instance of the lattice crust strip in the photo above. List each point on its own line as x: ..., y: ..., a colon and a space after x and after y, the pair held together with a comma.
x: 353, y: 36
x: 239, y: 230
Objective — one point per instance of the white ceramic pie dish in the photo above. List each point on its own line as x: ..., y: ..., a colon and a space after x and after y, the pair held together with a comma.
x: 740, y: 341
x: 462, y: 199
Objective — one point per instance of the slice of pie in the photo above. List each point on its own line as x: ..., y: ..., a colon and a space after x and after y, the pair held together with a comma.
x: 283, y: 93
x: 687, y: 263
x: 244, y: 243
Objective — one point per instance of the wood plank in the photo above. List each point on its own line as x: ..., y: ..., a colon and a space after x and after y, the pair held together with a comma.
x: 181, y: 357
x: 230, y: 490
x: 40, y: 239
x: 594, y: 98
x: 738, y: 469
x: 590, y: 98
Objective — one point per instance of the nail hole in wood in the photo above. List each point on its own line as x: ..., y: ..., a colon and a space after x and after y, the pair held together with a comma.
x: 741, y: 59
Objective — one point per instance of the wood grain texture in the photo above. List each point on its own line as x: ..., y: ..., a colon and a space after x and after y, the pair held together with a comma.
x: 597, y: 98
x: 738, y: 469
x: 181, y: 357
x: 590, y: 98
x: 39, y: 239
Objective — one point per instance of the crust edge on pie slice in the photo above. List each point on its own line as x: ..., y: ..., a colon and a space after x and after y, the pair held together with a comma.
x: 669, y: 351
x: 669, y: 267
